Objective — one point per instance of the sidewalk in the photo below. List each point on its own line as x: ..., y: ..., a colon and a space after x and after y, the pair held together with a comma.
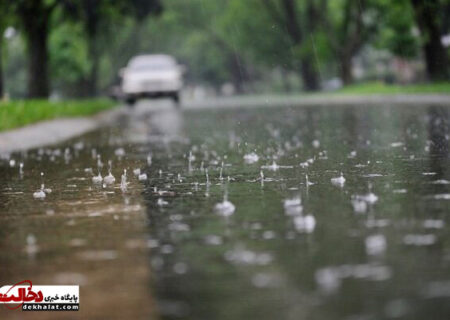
x: 53, y: 131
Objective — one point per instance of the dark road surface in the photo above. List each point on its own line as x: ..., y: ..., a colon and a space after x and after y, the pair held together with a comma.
x: 244, y: 215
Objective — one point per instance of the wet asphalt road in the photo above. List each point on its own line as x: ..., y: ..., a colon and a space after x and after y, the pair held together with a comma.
x: 243, y: 214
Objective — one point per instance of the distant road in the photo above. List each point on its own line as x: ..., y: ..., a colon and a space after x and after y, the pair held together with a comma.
x: 317, y: 99
x: 57, y: 130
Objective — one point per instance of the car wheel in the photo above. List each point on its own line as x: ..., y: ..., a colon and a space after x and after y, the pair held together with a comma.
x: 176, y: 99
x: 130, y: 101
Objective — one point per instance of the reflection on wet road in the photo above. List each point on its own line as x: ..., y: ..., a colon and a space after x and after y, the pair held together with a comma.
x: 272, y: 213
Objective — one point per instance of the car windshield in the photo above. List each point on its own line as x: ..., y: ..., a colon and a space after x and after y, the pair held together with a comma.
x: 152, y: 64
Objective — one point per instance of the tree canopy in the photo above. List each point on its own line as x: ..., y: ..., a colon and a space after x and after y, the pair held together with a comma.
x: 76, y: 47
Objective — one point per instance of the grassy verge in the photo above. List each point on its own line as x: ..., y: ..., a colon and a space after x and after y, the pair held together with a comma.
x: 15, y: 114
x: 382, y: 88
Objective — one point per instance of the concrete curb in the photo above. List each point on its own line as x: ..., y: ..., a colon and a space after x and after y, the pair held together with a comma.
x: 53, y: 131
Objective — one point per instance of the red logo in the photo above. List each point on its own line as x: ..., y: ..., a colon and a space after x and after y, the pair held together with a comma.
x: 23, y: 295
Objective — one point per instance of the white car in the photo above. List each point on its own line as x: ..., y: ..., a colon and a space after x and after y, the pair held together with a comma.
x: 152, y: 76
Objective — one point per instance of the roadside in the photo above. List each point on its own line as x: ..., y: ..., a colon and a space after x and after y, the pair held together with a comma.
x: 368, y: 93
x: 53, y: 131
x: 319, y: 100
x: 18, y: 113
x: 381, y: 88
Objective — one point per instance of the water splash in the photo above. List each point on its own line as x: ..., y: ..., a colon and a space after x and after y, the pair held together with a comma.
x: 119, y: 152
x: 21, y: 169
x: 97, y: 179
x: 375, y: 244
x: 41, y: 193
x: 123, y: 181
x: 338, y: 181
x: 308, y: 183
x: 225, y: 208
x: 305, y: 224
x: 207, y: 177
x: 142, y: 177
x: 109, y: 179
x: 251, y: 158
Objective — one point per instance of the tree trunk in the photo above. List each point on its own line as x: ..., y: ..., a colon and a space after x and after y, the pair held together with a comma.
x: 309, y: 75
x: 36, y: 32
x: 238, y: 72
x: 1, y: 68
x: 38, y: 81
x: 308, y: 71
x: 91, y: 9
x: 92, y: 80
x: 346, y: 69
x: 436, y: 60
x: 286, y: 81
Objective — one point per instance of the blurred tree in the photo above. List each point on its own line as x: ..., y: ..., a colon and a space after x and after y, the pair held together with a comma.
x: 283, y: 34
x: 300, y: 20
x: 35, y: 20
x: 34, y: 16
x: 429, y: 17
x: 97, y: 16
x: 206, y: 18
x: 69, y: 62
x: 193, y: 32
x: 396, y: 30
x: 4, y: 13
x: 258, y: 40
x: 349, y: 25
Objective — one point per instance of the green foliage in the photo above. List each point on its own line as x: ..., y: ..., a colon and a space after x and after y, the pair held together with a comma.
x: 383, y: 88
x: 69, y: 59
x: 22, y: 112
x: 262, y: 38
x: 14, y: 67
x: 219, y: 41
x: 397, y: 31
x: 193, y: 32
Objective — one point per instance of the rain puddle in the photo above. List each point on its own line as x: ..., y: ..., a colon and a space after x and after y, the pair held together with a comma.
x: 303, y: 213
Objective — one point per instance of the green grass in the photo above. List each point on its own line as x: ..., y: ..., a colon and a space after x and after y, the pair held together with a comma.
x: 15, y: 114
x: 382, y: 88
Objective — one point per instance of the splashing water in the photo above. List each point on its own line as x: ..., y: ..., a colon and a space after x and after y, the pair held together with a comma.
x: 97, y: 179
x: 109, y: 179
x: 251, y: 158
x: 21, y: 169
x: 305, y: 224
x: 119, y: 152
x: 225, y: 208
x: 293, y: 206
x: 375, y: 244
x: 123, y: 181
x: 99, y: 162
x: 41, y: 193
x: 308, y: 183
x: 369, y: 198
x: 339, y: 181
x: 142, y: 177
